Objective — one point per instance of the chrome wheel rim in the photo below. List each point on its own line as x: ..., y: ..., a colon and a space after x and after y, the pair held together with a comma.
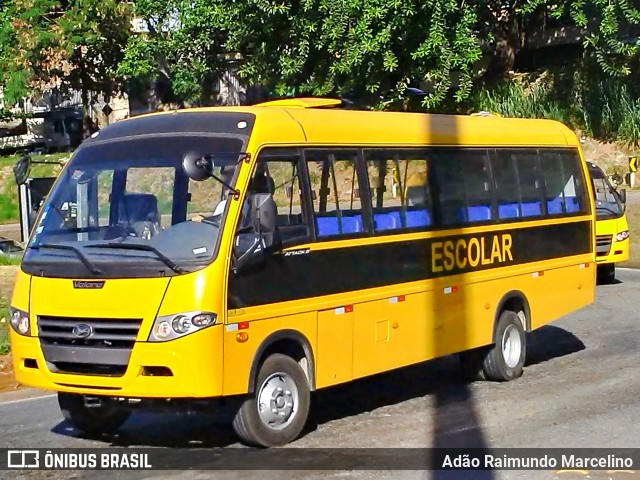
x: 277, y: 401
x: 511, y: 346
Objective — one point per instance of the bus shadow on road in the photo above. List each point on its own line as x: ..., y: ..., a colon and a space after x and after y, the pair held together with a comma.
x: 549, y: 342
x: 455, y: 418
x: 164, y: 429
x: 441, y: 378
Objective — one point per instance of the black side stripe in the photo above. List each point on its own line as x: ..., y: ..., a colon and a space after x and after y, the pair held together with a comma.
x: 325, y: 272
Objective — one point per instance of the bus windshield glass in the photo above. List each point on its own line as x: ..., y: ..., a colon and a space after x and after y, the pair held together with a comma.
x: 607, y: 201
x: 128, y: 209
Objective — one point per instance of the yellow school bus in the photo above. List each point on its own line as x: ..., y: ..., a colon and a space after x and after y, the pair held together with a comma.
x: 612, y: 230
x: 256, y: 254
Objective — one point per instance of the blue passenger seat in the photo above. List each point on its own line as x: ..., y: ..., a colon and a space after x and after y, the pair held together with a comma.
x: 572, y: 204
x: 352, y: 224
x: 478, y: 213
x: 418, y: 218
x: 509, y: 210
x: 327, y: 226
x: 554, y: 206
x: 531, y: 209
x: 386, y: 221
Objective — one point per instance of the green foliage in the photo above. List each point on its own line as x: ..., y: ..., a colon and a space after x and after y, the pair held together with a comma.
x: 598, y: 104
x: 370, y: 49
x: 5, y: 345
x: 526, y: 97
x: 184, y: 44
x: 46, y: 44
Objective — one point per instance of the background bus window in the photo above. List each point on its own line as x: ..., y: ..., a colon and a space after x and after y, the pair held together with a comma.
x: 564, y: 185
x: 462, y: 186
x: 335, y: 192
x: 400, y: 193
x: 517, y: 181
x: 278, y: 173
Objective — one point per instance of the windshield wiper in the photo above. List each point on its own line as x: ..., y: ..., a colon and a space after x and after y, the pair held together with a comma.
x: 90, y: 266
x: 143, y: 247
x: 602, y: 207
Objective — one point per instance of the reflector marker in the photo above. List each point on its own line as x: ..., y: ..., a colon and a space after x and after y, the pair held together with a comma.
x: 399, y: 298
x: 584, y: 265
x: 345, y: 309
x: 243, y: 325
x: 452, y: 289
x: 232, y: 327
x: 538, y: 274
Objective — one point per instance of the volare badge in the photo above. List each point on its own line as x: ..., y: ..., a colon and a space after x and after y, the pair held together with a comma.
x: 89, y: 285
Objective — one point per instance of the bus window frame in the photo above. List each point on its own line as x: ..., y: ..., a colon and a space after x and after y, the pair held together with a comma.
x: 363, y: 186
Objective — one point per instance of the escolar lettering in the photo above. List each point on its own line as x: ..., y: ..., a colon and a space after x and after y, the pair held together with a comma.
x: 457, y: 254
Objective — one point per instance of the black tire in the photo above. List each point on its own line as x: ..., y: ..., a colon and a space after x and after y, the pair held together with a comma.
x: 505, y: 360
x: 105, y: 418
x: 606, y: 273
x: 277, y: 371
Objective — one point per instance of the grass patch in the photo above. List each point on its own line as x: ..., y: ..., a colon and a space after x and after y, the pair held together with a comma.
x: 6, y: 260
x: 9, y: 210
x: 5, y: 346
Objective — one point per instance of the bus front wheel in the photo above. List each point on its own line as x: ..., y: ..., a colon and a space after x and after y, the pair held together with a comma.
x: 606, y: 273
x: 505, y: 360
x: 99, y: 416
x: 277, y: 411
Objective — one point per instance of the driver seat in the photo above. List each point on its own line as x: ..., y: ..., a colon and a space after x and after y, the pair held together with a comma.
x: 139, y: 211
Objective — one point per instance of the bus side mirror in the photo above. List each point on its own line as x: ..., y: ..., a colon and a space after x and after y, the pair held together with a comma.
x: 623, y: 195
x: 197, y: 166
x: 21, y: 169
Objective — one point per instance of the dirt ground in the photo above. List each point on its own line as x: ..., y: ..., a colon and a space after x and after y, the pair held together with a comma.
x: 7, y: 379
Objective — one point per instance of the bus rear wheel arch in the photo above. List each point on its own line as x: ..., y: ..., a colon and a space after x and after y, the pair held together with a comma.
x: 504, y: 359
x: 276, y: 412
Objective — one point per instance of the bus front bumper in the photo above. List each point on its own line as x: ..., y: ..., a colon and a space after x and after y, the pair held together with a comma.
x: 618, y: 252
x: 189, y: 367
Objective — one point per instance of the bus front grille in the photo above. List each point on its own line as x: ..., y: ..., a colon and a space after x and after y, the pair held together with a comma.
x: 603, y: 245
x: 94, y: 346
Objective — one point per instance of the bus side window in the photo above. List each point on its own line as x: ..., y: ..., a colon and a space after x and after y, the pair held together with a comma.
x: 564, y: 185
x: 278, y: 173
x: 399, y: 187
x: 335, y: 191
x: 462, y: 186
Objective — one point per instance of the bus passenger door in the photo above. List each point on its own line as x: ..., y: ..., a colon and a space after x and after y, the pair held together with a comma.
x: 335, y: 346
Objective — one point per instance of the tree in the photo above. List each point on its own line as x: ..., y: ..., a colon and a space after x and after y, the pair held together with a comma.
x: 371, y: 49
x: 183, y: 46
x: 508, y: 24
x: 48, y: 44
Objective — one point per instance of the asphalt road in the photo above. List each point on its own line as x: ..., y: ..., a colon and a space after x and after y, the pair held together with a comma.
x: 581, y: 388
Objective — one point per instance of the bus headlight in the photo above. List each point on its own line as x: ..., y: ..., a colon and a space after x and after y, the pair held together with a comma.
x: 169, y: 327
x: 622, y: 235
x: 20, y: 321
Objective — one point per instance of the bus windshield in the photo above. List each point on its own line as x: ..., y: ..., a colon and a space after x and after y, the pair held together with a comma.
x: 607, y: 201
x: 128, y: 209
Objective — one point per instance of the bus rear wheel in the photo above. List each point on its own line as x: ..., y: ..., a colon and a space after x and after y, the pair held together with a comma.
x: 105, y: 416
x: 505, y: 360
x: 277, y: 411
